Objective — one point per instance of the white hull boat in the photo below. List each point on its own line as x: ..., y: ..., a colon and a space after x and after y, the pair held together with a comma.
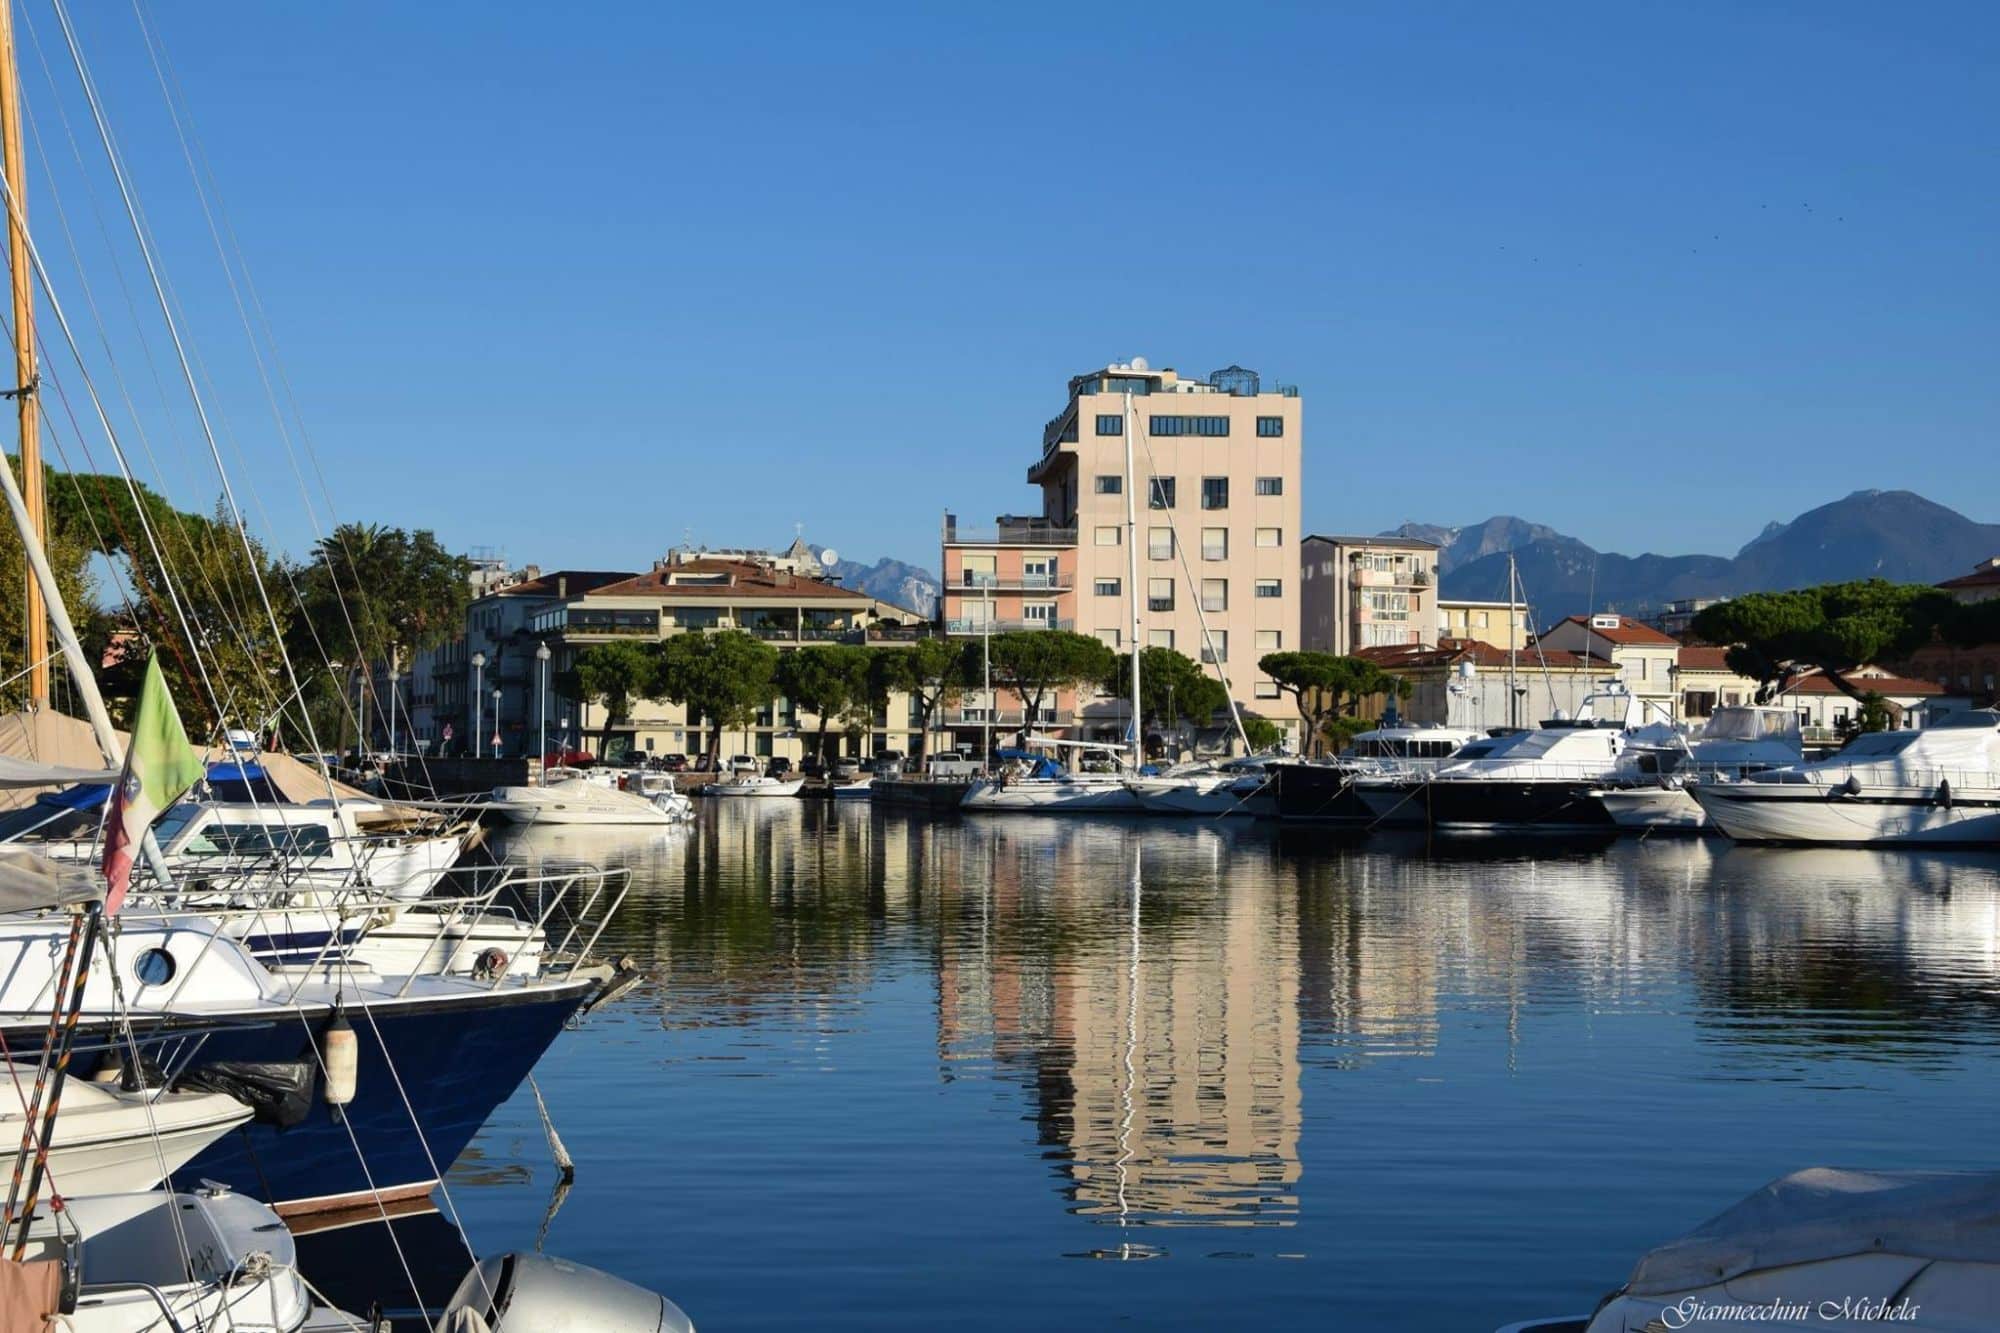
x: 1667, y: 808
x: 1938, y: 786
x: 580, y: 801
x: 754, y: 785
x: 1211, y: 794
x: 112, y: 1142
x: 1087, y: 794
x: 1734, y: 743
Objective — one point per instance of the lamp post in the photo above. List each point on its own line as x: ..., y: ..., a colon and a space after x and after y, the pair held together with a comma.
x: 392, y: 704
x: 478, y: 700
x: 542, y: 712
x: 496, y: 721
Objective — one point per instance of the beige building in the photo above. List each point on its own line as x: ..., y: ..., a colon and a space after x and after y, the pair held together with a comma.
x: 1215, y: 476
x: 1485, y: 622
x: 1646, y: 660
x: 1366, y: 592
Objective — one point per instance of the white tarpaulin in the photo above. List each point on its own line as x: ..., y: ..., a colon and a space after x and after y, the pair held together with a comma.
x: 16, y: 772
x: 30, y: 883
x: 1825, y: 1213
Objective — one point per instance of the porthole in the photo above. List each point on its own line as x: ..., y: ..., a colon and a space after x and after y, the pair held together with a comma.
x: 155, y: 967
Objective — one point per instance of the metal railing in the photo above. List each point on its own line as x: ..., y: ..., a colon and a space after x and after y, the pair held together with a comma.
x: 963, y: 625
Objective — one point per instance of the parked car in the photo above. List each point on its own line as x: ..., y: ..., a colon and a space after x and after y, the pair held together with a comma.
x: 744, y: 763
x: 674, y: 763
x: 812, y: 766
x: 779, y: 767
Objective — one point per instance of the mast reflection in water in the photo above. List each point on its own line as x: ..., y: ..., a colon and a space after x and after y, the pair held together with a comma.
x: 890, y: 1072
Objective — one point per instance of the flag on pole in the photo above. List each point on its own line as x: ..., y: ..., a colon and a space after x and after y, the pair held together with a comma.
x: 159, y: 766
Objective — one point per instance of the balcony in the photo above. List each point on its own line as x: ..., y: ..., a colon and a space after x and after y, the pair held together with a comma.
x: 1006, y: 717
x: 1024, y: 533
x: 965, y: 625
x: 1013, y: 582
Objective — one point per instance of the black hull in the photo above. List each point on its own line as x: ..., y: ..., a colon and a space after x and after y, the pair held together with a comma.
x: 1318, y: 793
x: 1509, y: 805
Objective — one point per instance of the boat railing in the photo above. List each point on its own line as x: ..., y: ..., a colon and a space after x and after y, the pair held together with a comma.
x: 1527, y: 770
x: 1831, y: 775
x: 579, y: 901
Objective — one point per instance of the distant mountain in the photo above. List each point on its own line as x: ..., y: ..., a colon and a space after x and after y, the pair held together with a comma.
x: 891, y: 580
x: 1870, y: 534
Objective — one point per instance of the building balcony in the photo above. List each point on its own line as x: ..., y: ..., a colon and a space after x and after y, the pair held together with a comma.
x: 1024, y: 533
x: 970, y: 581
x: 963, y: 625
x: 1006, y: 717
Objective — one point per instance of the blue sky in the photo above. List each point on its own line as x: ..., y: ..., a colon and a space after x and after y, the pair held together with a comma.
x: 580, y: 281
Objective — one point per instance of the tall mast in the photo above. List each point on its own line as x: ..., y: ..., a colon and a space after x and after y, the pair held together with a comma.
x: 1513, y: 695
x: 34, y: 605
x: 1132, y: 577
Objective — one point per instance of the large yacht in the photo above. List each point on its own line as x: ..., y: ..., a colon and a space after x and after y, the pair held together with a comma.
x: 1939, y: 785
x: 1735, y: 743
x: 1324, y: 790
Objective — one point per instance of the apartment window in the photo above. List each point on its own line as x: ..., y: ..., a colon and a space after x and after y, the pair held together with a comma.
x: 1108, y: 637
x: 1159, y: 638
x: 1215, y: 543
x: 1270, y: 485
x: 1161, y: 495
x: 1271, y: 428
x: 1160, y: 543
x: 1215, y: 492
x: 1270, y: 641
x: 1270, y: 588
x: 1110, y: 483
x: 1267, y: 689
x: 1217, y: 648
x: 1215, y: 594
x: 1272, y: 537
x: 1213, y: 427
x: 1159, y: 594
x: 1108, y: 587
x: 1110, y: 423
x: 978, y: 572
x: 1110, y: 537
x: 1038, y: 615
x: 1479, y: 619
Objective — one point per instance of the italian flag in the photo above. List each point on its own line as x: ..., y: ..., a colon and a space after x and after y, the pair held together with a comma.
x: 159, y: 766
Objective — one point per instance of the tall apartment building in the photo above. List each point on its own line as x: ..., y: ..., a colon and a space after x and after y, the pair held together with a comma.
x: 1215, y: 474
x: 1367, y: 592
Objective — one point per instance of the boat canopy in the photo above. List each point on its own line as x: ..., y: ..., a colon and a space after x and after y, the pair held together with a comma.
x: 1044, y: 767
x: 30, y: 883
x: 18, y: 772
x: 1734, y: 723
x: 1825, y: 1213
x: 239, y: 782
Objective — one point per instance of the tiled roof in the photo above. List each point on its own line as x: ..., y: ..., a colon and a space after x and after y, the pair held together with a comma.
x: 1817, y: 683
x: 1987, y: 576
x: 574, y: 582
x: 1629, y: 632
x: 1387, y: 543
x: 1450, y: 652
x: 1703, y: 659
x: 741, y: 579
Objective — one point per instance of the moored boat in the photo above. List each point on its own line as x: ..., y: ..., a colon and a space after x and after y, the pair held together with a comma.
x: 581, y: 801
x: 1736, y: 742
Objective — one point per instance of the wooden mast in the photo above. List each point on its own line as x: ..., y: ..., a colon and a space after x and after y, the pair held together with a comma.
x: 34, y: 608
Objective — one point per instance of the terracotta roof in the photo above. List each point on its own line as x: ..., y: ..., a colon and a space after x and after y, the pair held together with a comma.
x: 575, y: 581
x: 741, y: 579
x: 1386, y: 543
x: 1816, y: 683
x: 1629, y: 631
x: 1450, y: 652
x: 1703, y: 659
x: 1986, y: 576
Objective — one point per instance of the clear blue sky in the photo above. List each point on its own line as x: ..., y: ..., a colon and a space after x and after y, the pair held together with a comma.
x: 577, y: 280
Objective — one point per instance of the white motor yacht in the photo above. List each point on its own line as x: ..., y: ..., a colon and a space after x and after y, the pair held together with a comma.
x: 107, y: 1141
x: 1736, y: 742
x: 1235, y: 787
x: 1936, y: 786
x: 755, y: 785
x: 581, y: 801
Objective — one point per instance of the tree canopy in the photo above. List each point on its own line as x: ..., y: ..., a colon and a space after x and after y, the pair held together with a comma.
x: 933, y: 672
x: 1328, y: 687
x: 1173, y: 688
x: 614, y: 674
x: 722, y: 677
x: 1035, y: 663
x: 1775, y: 637
x: 836, y: 683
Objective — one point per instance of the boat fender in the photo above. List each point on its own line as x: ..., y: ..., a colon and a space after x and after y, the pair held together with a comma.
x: 1852, y: 786
x: 341, y: 1050
x: 1944, y: 792
x: 490, y: 964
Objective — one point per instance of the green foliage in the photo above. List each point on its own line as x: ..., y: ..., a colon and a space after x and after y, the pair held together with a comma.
x: 1836, y: 627
x: 1262, y: 733
x: 69, y: 552
x: 1173, y: 688
x: 1327, y: 687
x: 837, y: 683
x: 615, y: 675
x: 1035, y: 663
x: 1875, y: 714
x: 722, y: 678
x: 934, y: 672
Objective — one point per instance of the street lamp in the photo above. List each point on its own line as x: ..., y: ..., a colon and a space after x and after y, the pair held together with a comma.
x: 392, y: 705
x: 478, y: 699
x: 542, y: 712
x: 496, y: 721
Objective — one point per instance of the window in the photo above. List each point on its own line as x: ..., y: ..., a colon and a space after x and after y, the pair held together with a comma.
x: 1270, y: 641
x: 1272, y: 537
x: 1159, y: 638
x: 1038, y: 615
x: 1215, y: 543
x: 1217, y: 650
x: 1160, y: 543
x: 1108, y: 637
x: 1110, y: 423
x: 1110, y: 483
x: 1479, y: 619
x: 1270, y: 485
x: 1159, y: 594
x: 1110, y: 537
x: 1161, y: 495
x: 978, y: 572
x: 1215, y: 594
x: 1214, y: 427
x: 1215, y: 492
x: 1267, y: 689
x: 1271, y: 428
x: 1270, y: 588
x: 1107, y: 587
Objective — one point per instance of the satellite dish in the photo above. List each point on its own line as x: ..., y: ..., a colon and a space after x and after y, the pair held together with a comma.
x: 828, y: 557
x: 1140, y: 363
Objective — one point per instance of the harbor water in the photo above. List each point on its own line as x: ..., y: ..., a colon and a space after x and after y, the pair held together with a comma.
x: 892, y: 1072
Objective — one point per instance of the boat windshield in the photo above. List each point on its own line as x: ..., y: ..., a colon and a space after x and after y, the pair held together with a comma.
x: 1750, y: 724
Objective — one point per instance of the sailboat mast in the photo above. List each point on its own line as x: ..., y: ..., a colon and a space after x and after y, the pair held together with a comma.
x: 1513, y: 695
x: 1132, y: 578
x: 34, y: 607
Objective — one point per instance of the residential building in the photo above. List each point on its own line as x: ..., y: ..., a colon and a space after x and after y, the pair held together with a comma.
x: 1676, y: 618
x: 1215, y: 497
x: 1981, y: 585
x: 1703, y: 682
x: 1497, y: 623
x: 1828, y: 713
x: 1643, y: 658
x: 1366, y: 592
x: 1970, y: 670
x: 1470, y: 683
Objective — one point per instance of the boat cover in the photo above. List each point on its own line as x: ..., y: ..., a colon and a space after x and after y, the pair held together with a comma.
x: 18, y: 772
x: 30, y: 883
x: 1827, y: 1213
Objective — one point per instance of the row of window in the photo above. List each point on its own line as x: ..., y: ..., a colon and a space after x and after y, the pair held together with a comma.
x: 1214, y: 541
x: 1164, y: 490
x: 1113, y: 423
x: 1214, y: 648
x: 1214, y: 592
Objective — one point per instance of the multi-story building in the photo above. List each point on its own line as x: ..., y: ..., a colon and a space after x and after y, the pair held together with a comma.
x: 1214, y: 472
x: 1366, y: 592
x: 1495, y: 623
x: 1645, y: 659
x: 1676, y: 618
x: 1471, y: 683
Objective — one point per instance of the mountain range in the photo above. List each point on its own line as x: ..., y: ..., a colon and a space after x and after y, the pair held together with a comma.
x: 1896, y: 535
x: 890, y: 580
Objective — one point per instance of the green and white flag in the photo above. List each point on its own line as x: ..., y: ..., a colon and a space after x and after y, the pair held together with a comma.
x: 159, y: 766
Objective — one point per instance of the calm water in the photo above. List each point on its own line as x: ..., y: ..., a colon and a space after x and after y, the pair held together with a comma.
x: 1013, y: 1072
